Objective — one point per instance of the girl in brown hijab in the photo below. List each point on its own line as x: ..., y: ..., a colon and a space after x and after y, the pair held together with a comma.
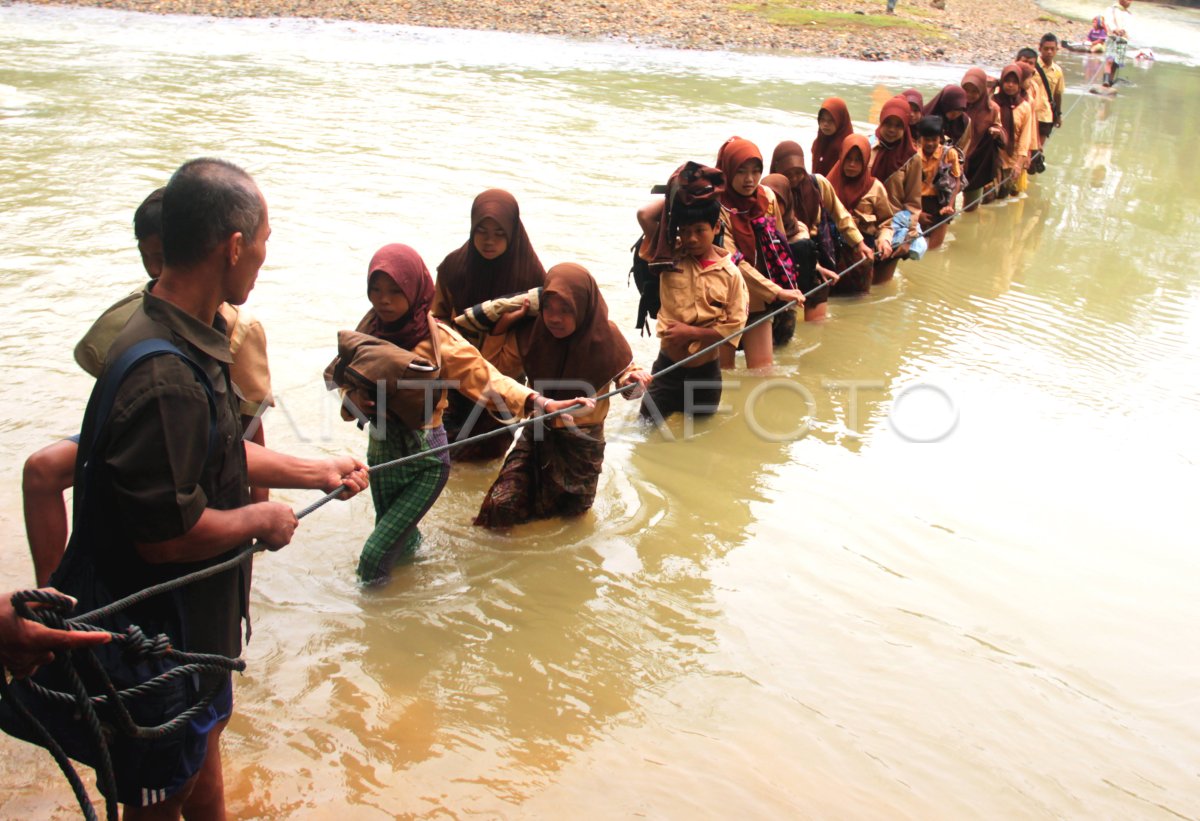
x: 570, y: 347
x: 409, y: 422
x: 833, y: 126
x: 987, y: 137
x: 496, y: 260
x: 753, y: 224
x: 1016, y: 117
x: 823, y: 226
x: 867, y: 201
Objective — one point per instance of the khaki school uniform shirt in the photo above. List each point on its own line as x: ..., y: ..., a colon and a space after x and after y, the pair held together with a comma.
x: 471, y: 375
x: 1058, y: 87
x: 247, y: 340
x: 904, y: 186
x: 704, y: 296
x: 761, y: 289
x: 1019, y: 143
x: 930, y: 165
x: 873, y: 214
x: 1038, y: 100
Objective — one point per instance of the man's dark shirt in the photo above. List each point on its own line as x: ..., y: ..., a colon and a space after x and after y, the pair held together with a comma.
x: 159, y: 475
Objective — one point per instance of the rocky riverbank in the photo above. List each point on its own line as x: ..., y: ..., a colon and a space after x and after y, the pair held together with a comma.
x: 987, y: 32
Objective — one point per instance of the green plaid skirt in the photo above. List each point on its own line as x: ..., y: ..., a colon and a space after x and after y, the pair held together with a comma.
x: 402, y: 495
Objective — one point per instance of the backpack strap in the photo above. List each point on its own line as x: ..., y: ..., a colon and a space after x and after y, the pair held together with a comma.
x: 105, y: 393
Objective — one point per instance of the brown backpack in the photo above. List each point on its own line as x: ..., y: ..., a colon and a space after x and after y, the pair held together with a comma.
x: 364, y: 362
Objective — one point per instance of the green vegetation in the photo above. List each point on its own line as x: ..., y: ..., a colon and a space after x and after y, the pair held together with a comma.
x: 799, y: 13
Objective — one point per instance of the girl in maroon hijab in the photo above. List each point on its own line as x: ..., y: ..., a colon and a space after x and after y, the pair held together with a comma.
x: 1016, y: 117
x: 570, y: 347
x: 895, y: 163
x: 496, y: 260
x: 823, y: 227
x: 916, y: 108
x: 401, y: 292
x: 833, y: 126
x: 867, y: 201
x: 753, y: 232
x: 951, y: 105
x: 987, y: 137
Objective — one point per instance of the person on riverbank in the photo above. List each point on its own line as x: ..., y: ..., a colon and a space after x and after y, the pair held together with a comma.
x: 941, y: 180
x: 823, y: 227
x: 867, y: 201
x: 704, y: 298
x: 982, y: 162
x: 496, y: 260
x: 833, y: 126
x: 1098, y: 35
x: 1016, y: 117
x: 569, y: 347
x: 1117, y: 21
x: 950, y: 105
x: 50, y: 471
x: 165, y: 478
x: 401, y: 293
x: 753, y: 231
x: 895, y: 163
x: 1051, y: 75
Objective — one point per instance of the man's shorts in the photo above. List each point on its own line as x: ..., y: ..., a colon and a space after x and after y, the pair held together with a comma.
x: 150, y: 772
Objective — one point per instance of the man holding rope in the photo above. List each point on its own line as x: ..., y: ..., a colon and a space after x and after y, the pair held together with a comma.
x: 169, y: 475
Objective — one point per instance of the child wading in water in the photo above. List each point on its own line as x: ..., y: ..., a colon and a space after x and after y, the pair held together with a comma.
x: 833, y: 127
x: 401, y: 292
x: 894, y: 162
x: 1016, y: 117
x: 867, y: 201
x: 753, y: 224
x: 570, y: 347
x: 819, y: 228
x: 703, y: 294
x: 496, y: 260
x: 941, y: 180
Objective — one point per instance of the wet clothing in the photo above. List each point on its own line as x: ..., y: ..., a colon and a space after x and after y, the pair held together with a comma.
x: 402, y: 495
x: 695, y: 391
x: 711, y: 295
x: 549, y: 472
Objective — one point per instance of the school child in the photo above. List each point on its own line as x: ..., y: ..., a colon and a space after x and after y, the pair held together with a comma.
x: 833, y: 126
x: 916, y: 106
x: 1039, y: 101
x: 869, y: 205
x: 703, y: 299
x: 401, y: 293
x: 570, y: 346
x: 820, y: 227
x: 496, y: 260
x: 950, y: 105
x: 941, y: 180
x: 50, y: 471
x: 752, y: 222
x: 895, y: 163
x: 1016, y: 117
x: 1051, y: 75
x: 982, y: 165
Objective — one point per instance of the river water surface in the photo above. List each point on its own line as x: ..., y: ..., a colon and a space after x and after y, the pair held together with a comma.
x: 940, y: 563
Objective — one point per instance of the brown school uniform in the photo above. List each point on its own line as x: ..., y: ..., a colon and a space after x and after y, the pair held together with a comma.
x: 250, y: 371
x: 761, y: 291
x: 709, y: 296
x: 163, y: 478
x: 830, y: 204
x: 904, y: 185
x: 1020, y: 143
x: 873, y: 214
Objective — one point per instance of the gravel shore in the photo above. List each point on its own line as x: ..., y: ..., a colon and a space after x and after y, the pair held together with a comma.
x: 986, y: 32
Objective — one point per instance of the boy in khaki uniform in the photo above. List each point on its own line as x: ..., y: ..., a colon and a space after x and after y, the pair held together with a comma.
x: 704, y: 299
